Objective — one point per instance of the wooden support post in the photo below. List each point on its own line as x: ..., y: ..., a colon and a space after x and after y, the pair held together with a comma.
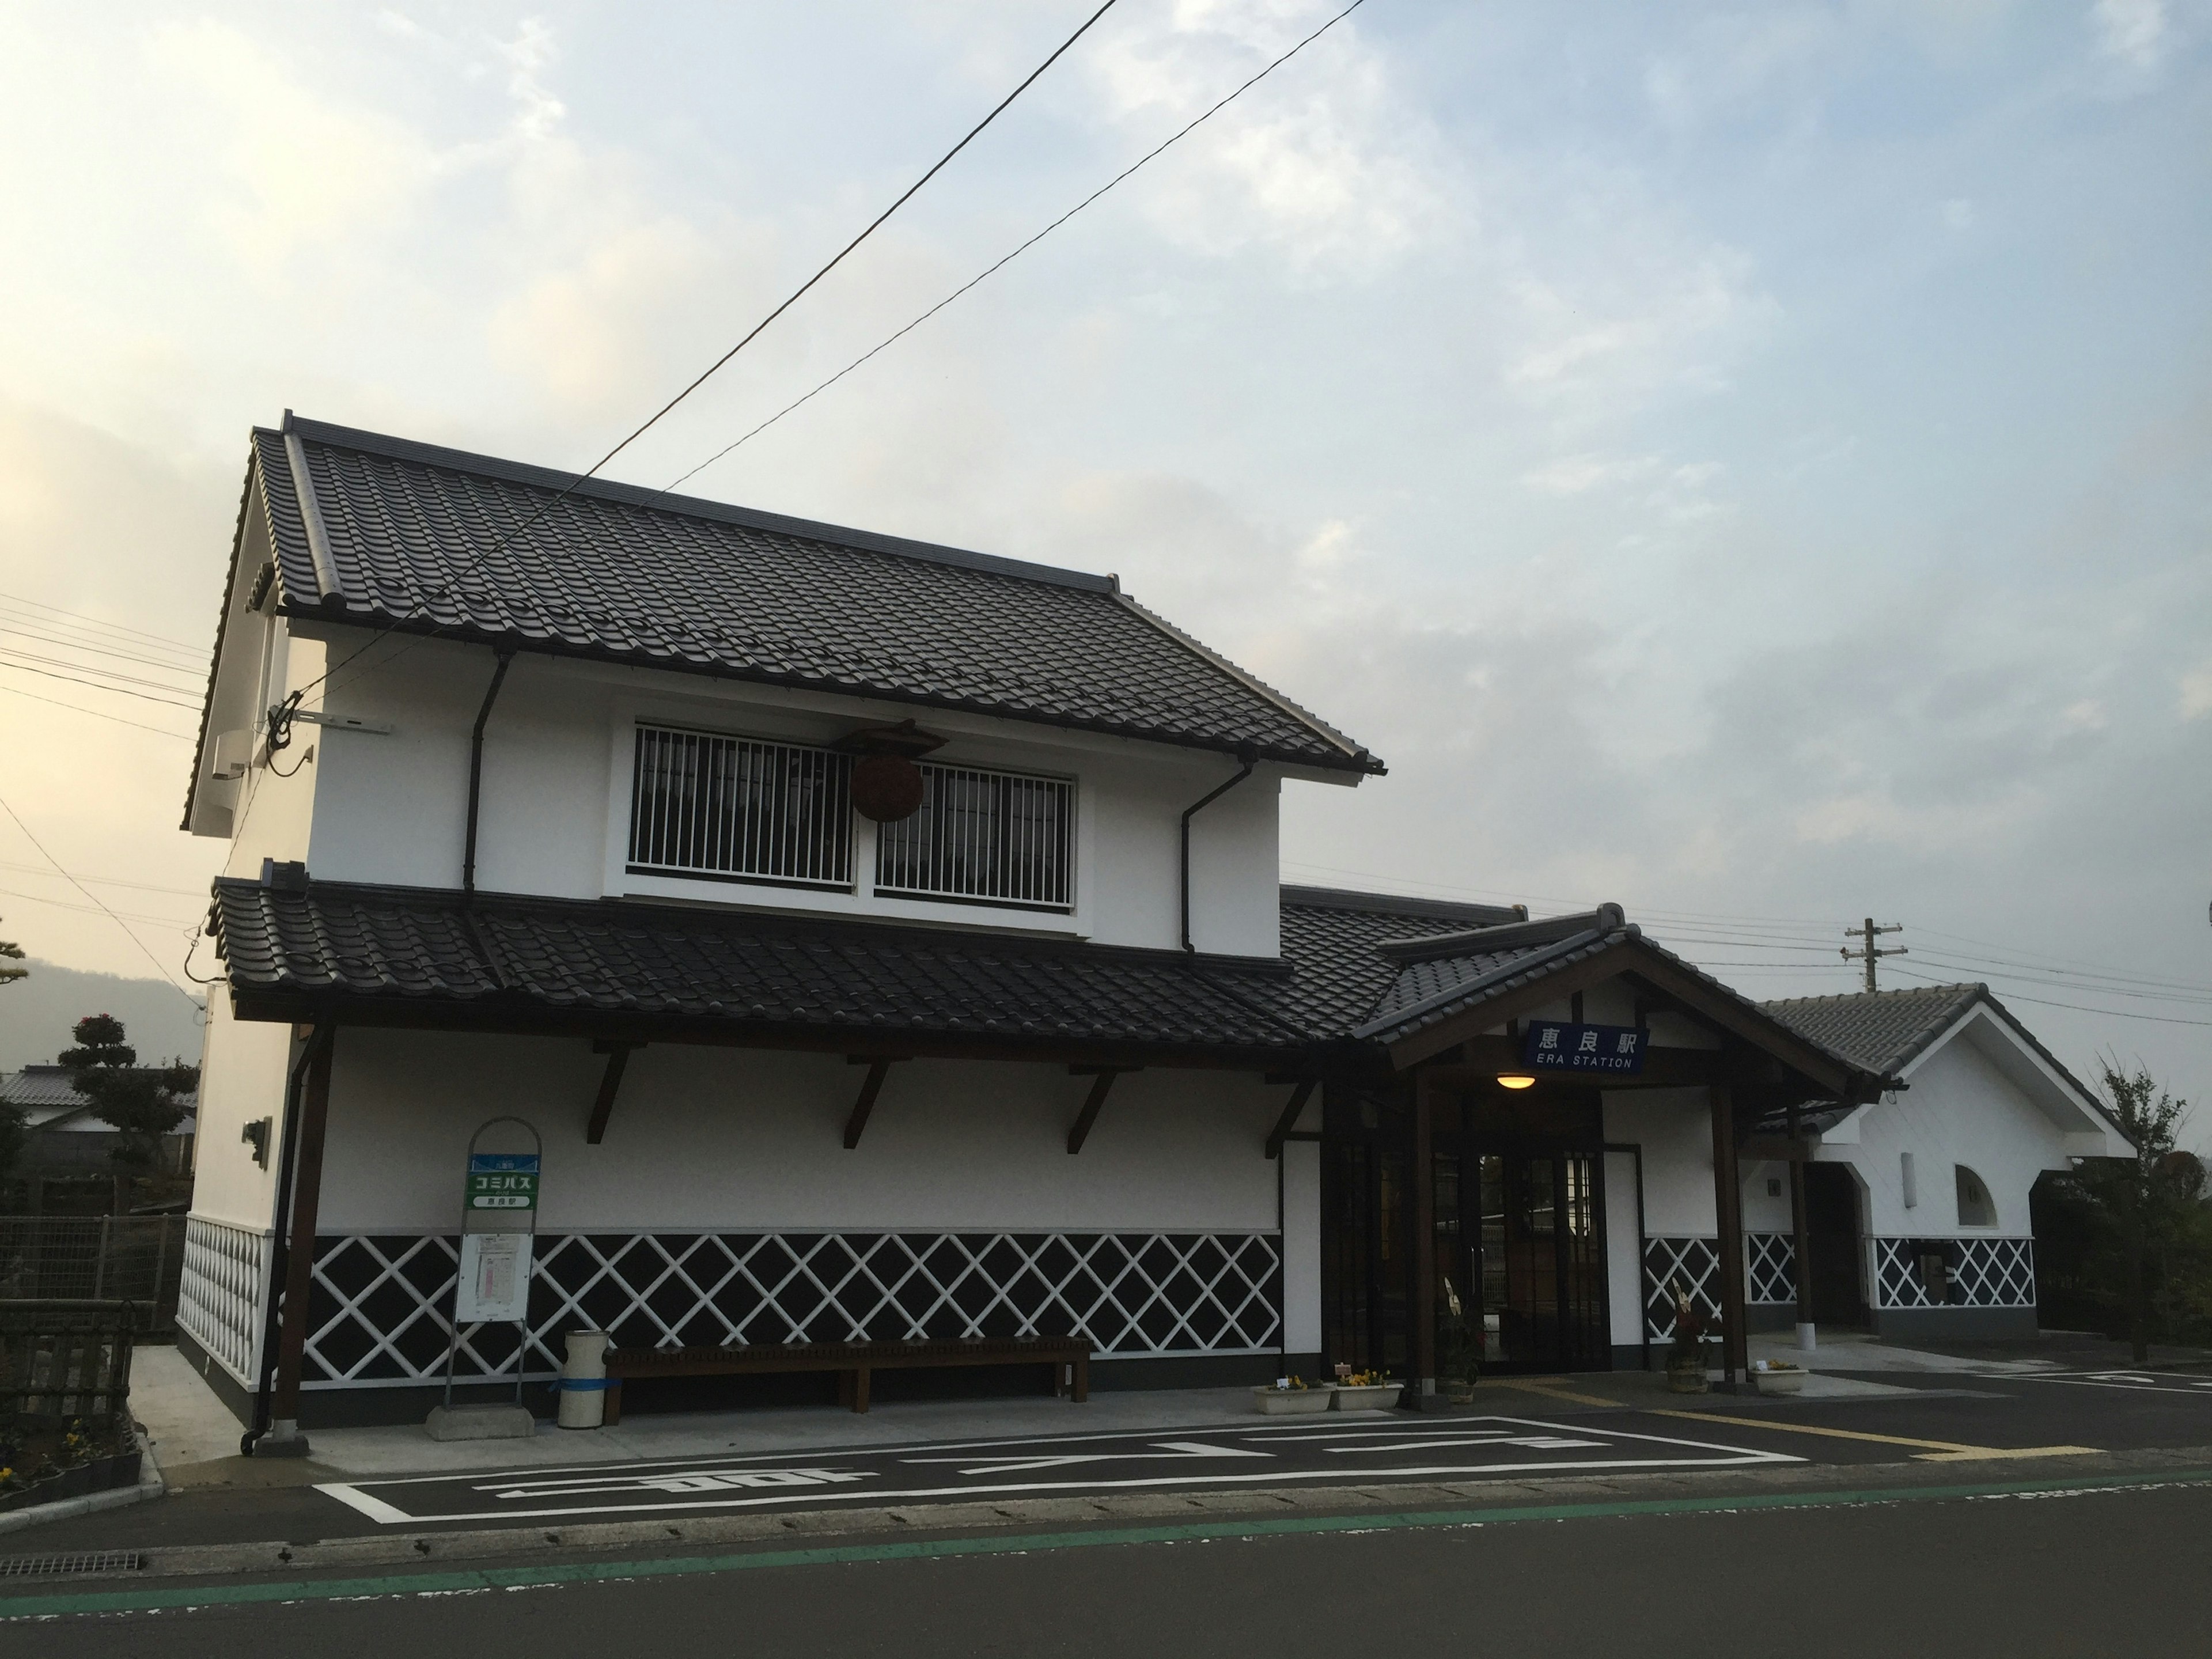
x: 1289, y: 1120
x: 299, y: 1256
x: 871, y: 1087
x: 617, y: 1055
x: 1727, y: 1200
x: 1100, y: 1083
x: 1802, y: 1254
x: 1424, y: 1238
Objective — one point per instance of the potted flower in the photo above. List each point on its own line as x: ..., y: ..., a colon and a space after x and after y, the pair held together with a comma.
x: 1287, y: 1396
x: 1686, y: 1361
x: 1777, y: 1376
x: 1365, y: 1391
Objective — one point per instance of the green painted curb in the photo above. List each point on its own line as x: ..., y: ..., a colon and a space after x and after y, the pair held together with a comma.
x: 508, y: 1579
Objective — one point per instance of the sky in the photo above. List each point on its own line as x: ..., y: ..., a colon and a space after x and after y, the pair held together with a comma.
x: 1751, y: 464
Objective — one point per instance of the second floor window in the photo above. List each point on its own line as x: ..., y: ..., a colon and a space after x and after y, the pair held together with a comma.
x: 983, y: 837
x: 738, y: 809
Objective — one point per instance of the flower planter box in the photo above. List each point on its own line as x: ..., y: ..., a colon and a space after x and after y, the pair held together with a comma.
x: 1286, y: 1402
x: 1775, y: 1382
x: 1687, y: 1379
x: 1367, y: 1396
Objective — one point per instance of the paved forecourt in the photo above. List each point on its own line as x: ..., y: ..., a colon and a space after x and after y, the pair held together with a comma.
x: 1298, y: 1451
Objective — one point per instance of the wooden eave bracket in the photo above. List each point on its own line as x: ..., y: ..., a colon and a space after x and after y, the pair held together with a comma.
x: 871, y: 1086
x: 603, y: 1107
x: 1102, y: 1080
x: 1283, y: 1124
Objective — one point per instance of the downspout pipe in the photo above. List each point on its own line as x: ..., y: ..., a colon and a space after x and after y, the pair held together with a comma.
x: 1250, y: 761
x: 280, y: 1239
x: 476, y: 771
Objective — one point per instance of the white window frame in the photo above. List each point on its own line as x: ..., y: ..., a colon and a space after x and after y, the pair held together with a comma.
x: 840, y: 789
x: 1069, y: 857
x: 773, y: 715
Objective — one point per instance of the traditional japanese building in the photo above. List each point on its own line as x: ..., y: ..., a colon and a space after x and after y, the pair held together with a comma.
x: 881, y: 941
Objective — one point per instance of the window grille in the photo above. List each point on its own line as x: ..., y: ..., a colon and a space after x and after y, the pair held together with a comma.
x: 984, y: 838
x: 736, y: 809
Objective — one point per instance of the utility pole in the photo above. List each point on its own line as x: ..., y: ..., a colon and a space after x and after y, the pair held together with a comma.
x: 1866, y: 931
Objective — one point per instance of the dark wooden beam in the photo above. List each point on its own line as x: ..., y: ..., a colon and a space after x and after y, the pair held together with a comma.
x: 1424, y: 1241
x: 617, y: 1055
x: 871, y: 1086
x: 1728, y: 1196
x: 299, y: 1256
x: 1299, y: 1096
x: 1100, y: 1082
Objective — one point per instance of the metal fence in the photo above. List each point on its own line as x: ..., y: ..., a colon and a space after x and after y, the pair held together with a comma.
x: 65, y: 1359
x: 106, y: 1258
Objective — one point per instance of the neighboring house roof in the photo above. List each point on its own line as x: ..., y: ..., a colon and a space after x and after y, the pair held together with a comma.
x: 383, y: 950
x: 1890, y: 1031
x: 410, y: 538
x: 1883, y: 1030
x: 48, y: 1100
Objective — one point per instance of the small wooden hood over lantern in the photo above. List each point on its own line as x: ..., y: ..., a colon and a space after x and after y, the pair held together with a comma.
x: 887, y: 783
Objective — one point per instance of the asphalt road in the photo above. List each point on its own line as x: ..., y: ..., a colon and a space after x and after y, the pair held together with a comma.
x: 2112, y: 1571
x: 2111, y: 1410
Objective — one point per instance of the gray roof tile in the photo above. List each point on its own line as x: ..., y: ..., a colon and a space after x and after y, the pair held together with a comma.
x: 618, y: 573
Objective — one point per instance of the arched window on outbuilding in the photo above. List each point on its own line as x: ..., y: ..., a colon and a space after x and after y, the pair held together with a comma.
x: 1976, y: 1207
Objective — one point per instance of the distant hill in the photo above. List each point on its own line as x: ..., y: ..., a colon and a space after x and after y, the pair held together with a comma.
x: 36, y: 1014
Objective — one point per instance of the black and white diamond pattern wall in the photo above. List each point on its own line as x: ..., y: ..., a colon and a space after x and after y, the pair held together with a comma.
x: 1978, y: 1272
x: 381, y: 1302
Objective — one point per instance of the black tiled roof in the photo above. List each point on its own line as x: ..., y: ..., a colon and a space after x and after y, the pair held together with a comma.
x: 622, y: 574
x: 1883, y: 1031
x: 1330, y: 937
x: 629, y: 961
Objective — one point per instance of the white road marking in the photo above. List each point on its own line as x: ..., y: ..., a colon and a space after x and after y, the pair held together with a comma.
x: 1168, y: 1450
x: 1516, y: 1433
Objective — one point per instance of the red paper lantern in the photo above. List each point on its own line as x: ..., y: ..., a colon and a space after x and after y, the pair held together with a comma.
x: 886, y: 787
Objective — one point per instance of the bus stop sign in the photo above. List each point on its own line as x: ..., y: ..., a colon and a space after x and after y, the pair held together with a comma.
x: 502, y: 1181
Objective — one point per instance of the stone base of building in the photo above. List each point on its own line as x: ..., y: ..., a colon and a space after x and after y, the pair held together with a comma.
x: 1907, y: 1325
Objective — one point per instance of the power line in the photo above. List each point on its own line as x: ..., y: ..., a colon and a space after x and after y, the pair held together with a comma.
x: 2045, y: 1002
x: 96, y: 622
x: 111, y: 881
x: 1023, y: 248
x: 95, y: 899
x: 87, y: 910
x: 55, y: 702
x: 101, y: 685
x: 16, y: 654
x: 796, y: 295
x: 108, y: 650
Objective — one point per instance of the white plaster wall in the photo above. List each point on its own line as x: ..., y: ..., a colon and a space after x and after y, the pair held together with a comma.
x: 242, y: 1074
x: 392, y: 809
x: 744, y: 1140
x: 1301, y: 1246
x: 1623, y: 1249
x: 1959, y: 1109
x: 1764, y: 1211
x: 1675, y: 1128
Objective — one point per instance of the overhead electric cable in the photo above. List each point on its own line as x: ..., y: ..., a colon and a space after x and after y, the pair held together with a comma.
x: 96, y: 622
x: 98, y: 714
x: 199, y: 893
x: 95, y: 899
x: 101, y: 685
x: 108, y: 649
x: 714, y: 368
x: 11, y: 654
x: 2078, y: 1007
x: 1025, y: 247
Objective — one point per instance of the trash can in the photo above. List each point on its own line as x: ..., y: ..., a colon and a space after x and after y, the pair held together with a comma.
x: 583, y: 1380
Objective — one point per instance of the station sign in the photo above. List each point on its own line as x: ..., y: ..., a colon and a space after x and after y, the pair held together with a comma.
x: 1553, y: 1045
x: 502, y: 1181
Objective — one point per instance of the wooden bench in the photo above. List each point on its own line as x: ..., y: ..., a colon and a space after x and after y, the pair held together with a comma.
x: 1068, y: 1356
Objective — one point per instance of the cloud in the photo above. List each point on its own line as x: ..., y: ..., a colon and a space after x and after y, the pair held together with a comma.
x: 2133, y: 32
x: 1323, y: 164
x: 2196, y: 692
x: 1573, y: 475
